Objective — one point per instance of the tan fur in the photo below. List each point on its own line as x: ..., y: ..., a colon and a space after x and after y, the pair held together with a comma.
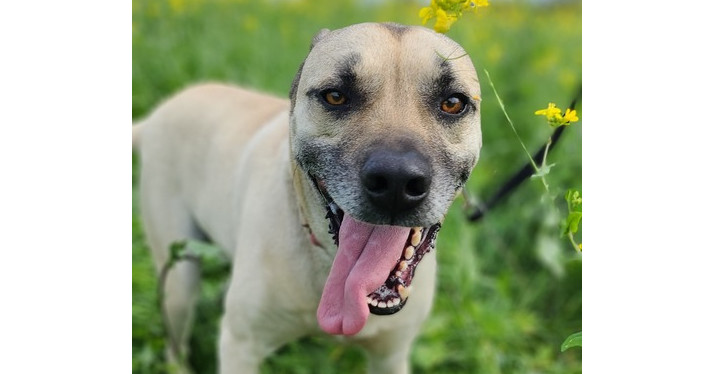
x: 220, y: 161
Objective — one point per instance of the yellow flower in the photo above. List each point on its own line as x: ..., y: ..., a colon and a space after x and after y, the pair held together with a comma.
x: 550, y: 112
x: 474, y: 4
x: 555, y: 117
x: 443, y: 21
x: 570, y: 116
x: 448, y: 11
x: 426, y: 14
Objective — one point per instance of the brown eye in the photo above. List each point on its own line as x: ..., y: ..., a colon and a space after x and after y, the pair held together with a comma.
x: 454, y: 104
x: 335, y: 97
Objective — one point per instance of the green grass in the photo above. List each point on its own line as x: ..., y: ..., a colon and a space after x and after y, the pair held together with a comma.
x: 509, y: 288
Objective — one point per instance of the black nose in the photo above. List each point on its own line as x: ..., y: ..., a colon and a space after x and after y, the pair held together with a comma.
x: 396, y: 181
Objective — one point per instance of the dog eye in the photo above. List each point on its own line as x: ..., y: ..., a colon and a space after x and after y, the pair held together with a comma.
x: 454, y: 104
x: 334, y: 97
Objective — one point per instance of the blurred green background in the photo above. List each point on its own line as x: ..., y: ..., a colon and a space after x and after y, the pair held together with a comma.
x: 509, y: 288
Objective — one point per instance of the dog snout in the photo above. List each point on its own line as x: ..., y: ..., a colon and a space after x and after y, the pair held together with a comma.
x: 396, y: 181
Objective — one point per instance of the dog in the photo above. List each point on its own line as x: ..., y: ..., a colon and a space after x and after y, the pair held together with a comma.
x: 325, y: 203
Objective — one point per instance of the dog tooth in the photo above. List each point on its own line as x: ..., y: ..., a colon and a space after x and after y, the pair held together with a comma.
x: 396, y: 301
x: 403, y: 265
x: 409, y: 252
x: 398, y: 273
x: 416, y: 237
x: 403, y: 292
x: 382, y: 304
x: 390, y: 304
x: 373, y: 302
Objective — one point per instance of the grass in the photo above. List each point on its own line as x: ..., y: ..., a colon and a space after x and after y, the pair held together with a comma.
x: 509, y: 286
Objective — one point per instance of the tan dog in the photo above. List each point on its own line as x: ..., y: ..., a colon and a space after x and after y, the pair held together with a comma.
x: 381, y: 131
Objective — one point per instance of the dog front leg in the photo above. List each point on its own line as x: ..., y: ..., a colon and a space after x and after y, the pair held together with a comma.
x: 238, y: 353
x: 388, y: 352
x: 245, y: 342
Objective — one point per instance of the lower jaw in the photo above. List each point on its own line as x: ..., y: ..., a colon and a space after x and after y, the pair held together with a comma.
x: 391, y: 296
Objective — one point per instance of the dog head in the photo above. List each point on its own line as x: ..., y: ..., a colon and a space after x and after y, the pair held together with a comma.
x: 385, y: 121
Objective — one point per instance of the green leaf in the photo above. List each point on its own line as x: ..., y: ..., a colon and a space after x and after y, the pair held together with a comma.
x: 177, y: 250
x: 575, y: 209
x: 575, y: 201
x: 211, y: 256
x: 574, y: 340
x: 572, y: 222
x: 204, y: 251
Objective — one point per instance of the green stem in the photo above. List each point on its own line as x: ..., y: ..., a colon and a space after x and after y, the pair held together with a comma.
x: 503, y: 109
x: 572, y: 241
x: 545, y: 157
x: 174, y: 341
x: 545, y: 152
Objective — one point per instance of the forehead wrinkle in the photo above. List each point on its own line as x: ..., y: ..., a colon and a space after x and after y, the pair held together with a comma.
x: 456, y: 74
x: 346, y: 65
x: 444, y: 77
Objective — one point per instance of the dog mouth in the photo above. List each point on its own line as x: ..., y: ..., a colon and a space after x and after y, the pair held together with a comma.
x: 373, y: 268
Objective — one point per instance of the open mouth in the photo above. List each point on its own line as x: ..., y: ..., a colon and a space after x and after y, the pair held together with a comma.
x: 374, y: 267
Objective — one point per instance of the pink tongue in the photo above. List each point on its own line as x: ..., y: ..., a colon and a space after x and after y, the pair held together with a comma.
x: 365, y: 256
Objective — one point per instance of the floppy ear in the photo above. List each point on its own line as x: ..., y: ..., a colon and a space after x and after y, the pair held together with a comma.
x: 293, y: 88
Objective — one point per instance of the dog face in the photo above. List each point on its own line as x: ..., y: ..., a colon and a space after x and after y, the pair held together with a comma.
x: 387, y: 119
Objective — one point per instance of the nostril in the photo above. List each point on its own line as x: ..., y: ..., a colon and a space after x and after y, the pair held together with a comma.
x: 376, y: 184
x: 416, y: 187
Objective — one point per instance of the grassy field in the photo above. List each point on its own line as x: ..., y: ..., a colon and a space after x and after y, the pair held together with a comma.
x: 509, y: 286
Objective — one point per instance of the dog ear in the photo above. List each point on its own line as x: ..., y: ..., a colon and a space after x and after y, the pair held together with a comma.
x: 319, y: 36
